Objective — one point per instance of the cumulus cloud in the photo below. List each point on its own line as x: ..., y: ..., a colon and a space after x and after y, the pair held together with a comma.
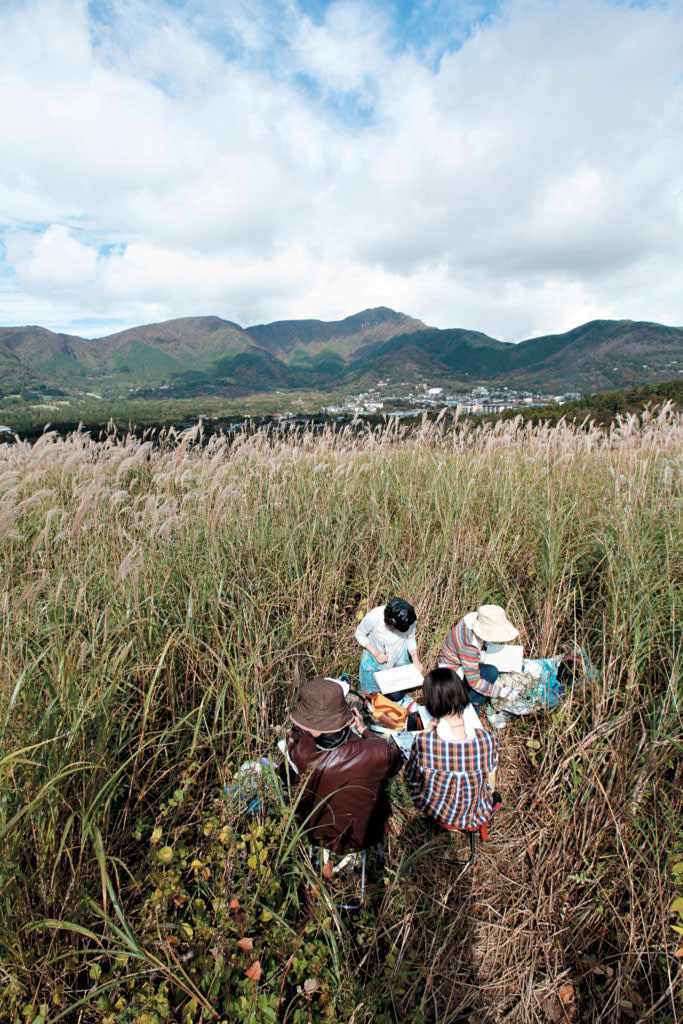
x: 51, y: 261
x: 518, y: 171
x: 347, y: 51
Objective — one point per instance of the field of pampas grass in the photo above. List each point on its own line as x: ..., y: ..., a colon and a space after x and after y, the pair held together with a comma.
x: 162, y: 599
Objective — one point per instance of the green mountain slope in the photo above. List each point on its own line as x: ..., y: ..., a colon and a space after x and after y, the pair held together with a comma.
x: 343, y: 337
x: 452, y: 354
x: 34, y: 355
x: 602, y: 354
x: 210, y: 353
x: 194, y: 336
x: 599, y: 354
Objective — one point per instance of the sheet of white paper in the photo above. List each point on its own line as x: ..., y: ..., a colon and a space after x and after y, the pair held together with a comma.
x: 405, y: 677
x: 505, y: 657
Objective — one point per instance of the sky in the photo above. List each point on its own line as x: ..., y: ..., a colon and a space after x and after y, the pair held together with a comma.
x: 514, y: 167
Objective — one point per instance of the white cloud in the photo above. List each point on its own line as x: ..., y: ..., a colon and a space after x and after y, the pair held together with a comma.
x: 51, y: 261
x: 259, y: 167
x: 346, y: 52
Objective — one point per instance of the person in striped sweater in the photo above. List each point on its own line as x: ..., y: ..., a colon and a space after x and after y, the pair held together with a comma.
x: 463, y: 646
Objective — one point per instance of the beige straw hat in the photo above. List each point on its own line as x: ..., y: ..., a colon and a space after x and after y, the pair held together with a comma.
x: 492, y: 624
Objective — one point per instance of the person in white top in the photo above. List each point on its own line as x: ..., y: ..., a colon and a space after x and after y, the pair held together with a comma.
x: 465, y: 727
x: 452, y: 763
x: 387, y: 634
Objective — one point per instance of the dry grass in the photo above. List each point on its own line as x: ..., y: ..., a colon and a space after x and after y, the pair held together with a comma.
x: 159, y: 600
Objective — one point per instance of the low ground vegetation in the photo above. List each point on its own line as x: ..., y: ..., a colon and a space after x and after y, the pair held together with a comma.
x: 603, y: 408
x: 161, y: 600
x: 30, y: 413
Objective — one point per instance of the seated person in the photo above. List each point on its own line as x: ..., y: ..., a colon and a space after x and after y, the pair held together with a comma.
x: 466, y: 641
x: 449, y: 764
x: 388, y: 635
x: 342, y: 767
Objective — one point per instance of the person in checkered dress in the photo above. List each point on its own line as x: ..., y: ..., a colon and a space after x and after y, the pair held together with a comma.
x: 450, y: 763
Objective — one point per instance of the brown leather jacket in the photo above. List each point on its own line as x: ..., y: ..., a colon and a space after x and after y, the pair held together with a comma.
x: 343, y: 802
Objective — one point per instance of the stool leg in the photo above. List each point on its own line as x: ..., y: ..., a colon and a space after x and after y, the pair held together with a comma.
x: 361, y: 901
x: 319, y: 854
x: 454, y: 860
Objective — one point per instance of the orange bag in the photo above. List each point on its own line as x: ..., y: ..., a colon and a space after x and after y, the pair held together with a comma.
x: 388, y: 712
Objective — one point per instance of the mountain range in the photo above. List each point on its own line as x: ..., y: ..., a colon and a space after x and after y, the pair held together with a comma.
x: 194, y: 355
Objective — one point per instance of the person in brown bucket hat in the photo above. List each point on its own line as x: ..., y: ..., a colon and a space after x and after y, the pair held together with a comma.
x: 342, y: 767
x: 322, y: 707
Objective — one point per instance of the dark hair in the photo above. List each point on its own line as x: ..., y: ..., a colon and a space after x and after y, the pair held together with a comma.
x: 444, y: 693
x: 398, y: 614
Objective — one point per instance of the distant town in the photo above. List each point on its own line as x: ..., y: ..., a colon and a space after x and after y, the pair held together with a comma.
x: 381, y: 399
x: 405, y: 399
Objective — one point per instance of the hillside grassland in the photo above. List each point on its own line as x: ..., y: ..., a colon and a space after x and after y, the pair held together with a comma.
x: 162, y: 599
x: 32, y: 413
x: 29, y: 414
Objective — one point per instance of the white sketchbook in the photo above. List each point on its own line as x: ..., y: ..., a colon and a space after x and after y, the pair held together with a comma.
x: 505, y: 657
x: 405, y: 677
